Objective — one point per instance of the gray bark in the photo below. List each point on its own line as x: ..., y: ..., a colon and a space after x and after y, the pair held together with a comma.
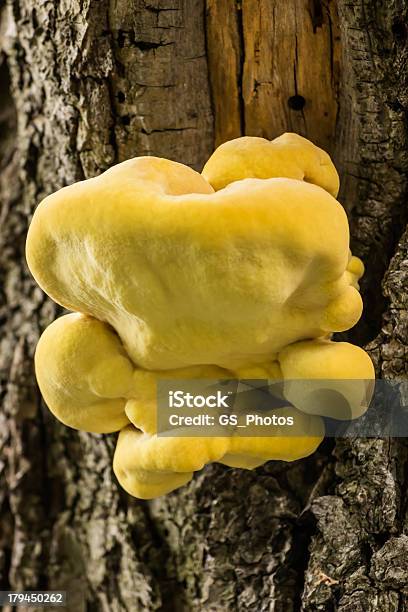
x: 85, y: 85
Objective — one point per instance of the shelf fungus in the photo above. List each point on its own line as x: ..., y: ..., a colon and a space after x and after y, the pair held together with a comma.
x: 241, y: 272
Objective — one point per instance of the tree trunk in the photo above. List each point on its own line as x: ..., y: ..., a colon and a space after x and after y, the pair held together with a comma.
x: 84, y: 85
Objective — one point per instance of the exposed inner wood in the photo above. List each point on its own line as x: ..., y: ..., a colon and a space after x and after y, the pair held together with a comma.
x: 274, y: 67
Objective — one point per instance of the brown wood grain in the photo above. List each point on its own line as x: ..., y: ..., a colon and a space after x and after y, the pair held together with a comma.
x: 274, y: 67
x: 224, y: 61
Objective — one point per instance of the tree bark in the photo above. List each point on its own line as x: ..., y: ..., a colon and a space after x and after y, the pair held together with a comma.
x: 84, y: 85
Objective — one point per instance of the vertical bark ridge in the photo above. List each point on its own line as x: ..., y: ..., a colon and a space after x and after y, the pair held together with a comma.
x: 372, y: 142
x: 364, y: 517
x: 86, y: 81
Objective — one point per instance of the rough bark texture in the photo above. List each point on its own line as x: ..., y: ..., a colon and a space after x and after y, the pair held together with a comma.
x: 86, y: 84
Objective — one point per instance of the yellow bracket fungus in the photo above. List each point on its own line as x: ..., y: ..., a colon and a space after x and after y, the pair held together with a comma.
x: 241, y: 271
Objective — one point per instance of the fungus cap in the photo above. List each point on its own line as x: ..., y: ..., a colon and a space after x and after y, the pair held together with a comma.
x: 241, y: 272
x: 190, y: 276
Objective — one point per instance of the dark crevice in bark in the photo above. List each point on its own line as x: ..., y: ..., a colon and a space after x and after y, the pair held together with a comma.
x: 379, y: 184
x: 6, y: 542
x: 163, y: 566
x: 305, y: 525
x: 376, y: 304
x: 8, y: 116
x: 380, y: 215
x: 303, y: 533
x: 241, y: 39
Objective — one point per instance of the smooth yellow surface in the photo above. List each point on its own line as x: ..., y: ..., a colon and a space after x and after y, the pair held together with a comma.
x: 250, y: 451
x: 290, y: 155
x: 84, y: 374
x: 182, y: 275
x: 332, y: 379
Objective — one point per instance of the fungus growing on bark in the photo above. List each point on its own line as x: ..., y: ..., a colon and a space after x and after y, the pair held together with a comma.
x: 243, y: 271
